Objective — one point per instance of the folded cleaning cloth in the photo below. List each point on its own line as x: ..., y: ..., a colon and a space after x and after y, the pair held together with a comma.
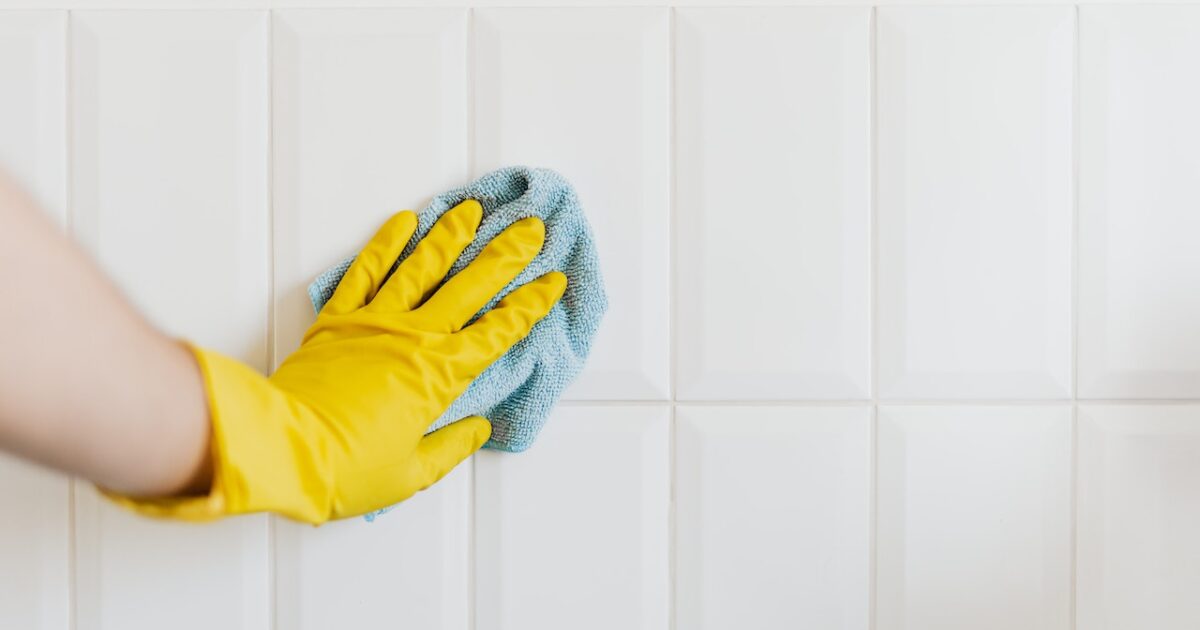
x: 517, y: 392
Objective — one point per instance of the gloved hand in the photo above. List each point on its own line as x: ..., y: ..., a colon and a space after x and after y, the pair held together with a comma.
x: 338, y: 430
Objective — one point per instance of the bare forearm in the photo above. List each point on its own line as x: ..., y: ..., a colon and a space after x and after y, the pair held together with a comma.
x: 86, y: 385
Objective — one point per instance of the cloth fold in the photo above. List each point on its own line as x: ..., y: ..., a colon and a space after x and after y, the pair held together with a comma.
x: 518, y: 391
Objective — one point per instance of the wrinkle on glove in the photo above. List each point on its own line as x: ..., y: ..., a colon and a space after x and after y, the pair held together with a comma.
x: 518, y: 391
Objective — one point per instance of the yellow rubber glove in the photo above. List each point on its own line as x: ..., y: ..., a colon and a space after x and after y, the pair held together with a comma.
x: 338, y: 430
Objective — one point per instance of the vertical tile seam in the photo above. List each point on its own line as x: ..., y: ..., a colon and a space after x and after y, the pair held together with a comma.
x: 672, y: 211
x: 272, y: 604
x: 470, y: 89
x: 69, y: 221
x: 872, y: 331
x: 1074, y: 461
x: 472, y: 495
x: 672, y: 314
x: 1075, y: 145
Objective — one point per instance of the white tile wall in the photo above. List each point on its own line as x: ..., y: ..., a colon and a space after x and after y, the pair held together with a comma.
x: 409, y: 568
x: 974, y: 202
x: 169, y: 191
x: 1139, y: 272
x: 1139, y: 506
x: 867, y: 250
x: 169, y: 167
x: 369, y: 118
x: 35, y: 573
x: 35, y: 577
x: 561, y: 108
x: 599, y: 559
x: 773, y: 517
x: 974, y: 518
x: 773, y: 201
x: 33, y: 124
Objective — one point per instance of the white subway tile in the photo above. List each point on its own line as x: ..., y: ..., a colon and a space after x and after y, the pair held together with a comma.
x: 974, y: 201
x: 773, y: 517
x: 33, y: 111
x: 574, y: 532
x: 973, y: 518
x: 170, y: 167
x: 1139, y: 267
x: 1139, y: 511
x: 586, y: 92
x: 169, y: 192
x: 34, y: 530
x: 408, y: 568
x: 370, y: 118
x: 773, y: 202
x: 137, y: 573
x: 35, y: 579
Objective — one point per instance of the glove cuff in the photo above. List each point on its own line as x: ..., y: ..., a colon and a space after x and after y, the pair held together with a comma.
x: 263, y: 453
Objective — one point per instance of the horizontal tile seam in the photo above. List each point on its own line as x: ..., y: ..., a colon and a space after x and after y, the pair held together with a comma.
x: 1064, y: 402
x: 589, y: 4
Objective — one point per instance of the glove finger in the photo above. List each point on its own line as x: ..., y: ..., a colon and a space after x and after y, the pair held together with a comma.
x: 511, y: 320
x: 430, y: 261
x: 439, y: 452
x: 471, y: 289
x: 369, y: 269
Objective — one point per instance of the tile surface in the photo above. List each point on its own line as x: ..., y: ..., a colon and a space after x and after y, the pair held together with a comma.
x: 409, y: 566
x: 169, y: 172
x: 169, y: 190
x: 596, y: 110
x: 35, y: 578
x: 1138, y: 265
x: 33, y: 115
x: 135, y: 572
x: 1139, y: 509
x: 974, y: 202
x: 351, y: 141
x: 573, y: 533
x: 773, y: 517
x: 865, y: 263
x: 352, y: 145
x: 973, y: 518
x: 773, y: 202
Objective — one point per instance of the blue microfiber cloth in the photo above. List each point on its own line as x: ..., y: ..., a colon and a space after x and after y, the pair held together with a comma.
x: 517, y: 392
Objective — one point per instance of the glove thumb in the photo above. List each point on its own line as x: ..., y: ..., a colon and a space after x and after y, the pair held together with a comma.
x: 440, y: 451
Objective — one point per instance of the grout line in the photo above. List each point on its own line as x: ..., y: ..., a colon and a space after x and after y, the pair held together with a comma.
x: 873, y: 210
x: 873, y: 309
x: 672, y: 213
x: 968, y: 402
x: 900, y: 402
x: 873, y: 519
x: 472, y: 480
x: 672, y: 520
x: 69, y: 221
x: 196, y: 5
x: 270, y: 193
x: 72, y: 562
x: 271, y: 552
x: 1081, y: 402
x: 1073, y: 519
x: 1074, y: 461
x: 1075, y: 145
x: 68, y: 129
x: 965, y: 402
x: 472, y: 167
x: 672, y: 312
